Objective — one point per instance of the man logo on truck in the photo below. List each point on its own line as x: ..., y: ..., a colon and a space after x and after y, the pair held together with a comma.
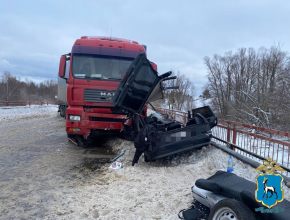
x: 107, y: 94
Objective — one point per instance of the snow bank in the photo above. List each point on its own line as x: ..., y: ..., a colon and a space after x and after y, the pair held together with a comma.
x: 157, y: 190
x: 12, y: 114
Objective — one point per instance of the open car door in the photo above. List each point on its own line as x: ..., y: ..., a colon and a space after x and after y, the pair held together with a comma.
x: 141, y: 84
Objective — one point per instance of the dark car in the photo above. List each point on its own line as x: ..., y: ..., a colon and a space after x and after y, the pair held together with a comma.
x: 142, y: 84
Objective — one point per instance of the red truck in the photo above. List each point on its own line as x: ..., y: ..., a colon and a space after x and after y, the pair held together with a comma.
x: 88, y: 79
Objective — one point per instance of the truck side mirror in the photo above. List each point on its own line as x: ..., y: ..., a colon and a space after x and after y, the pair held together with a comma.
x: 62, y: 64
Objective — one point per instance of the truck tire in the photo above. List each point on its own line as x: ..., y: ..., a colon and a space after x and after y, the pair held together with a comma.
x: 81, y: 141
x: 231, y: 209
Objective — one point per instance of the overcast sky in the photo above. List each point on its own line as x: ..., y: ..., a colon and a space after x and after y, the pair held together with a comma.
x: 178, y: 34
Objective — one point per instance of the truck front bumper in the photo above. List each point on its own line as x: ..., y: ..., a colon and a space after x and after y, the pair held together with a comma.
x: 92, y: 123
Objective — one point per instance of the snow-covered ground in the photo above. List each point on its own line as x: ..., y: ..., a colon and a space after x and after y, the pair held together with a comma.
x: 12, y: 114
x: 157, y: 190
x: 51, y: 185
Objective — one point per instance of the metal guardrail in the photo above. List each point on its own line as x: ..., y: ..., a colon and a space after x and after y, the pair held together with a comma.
x: 260, y: 141
x: 248, y: 140
x: 251, y: 162
x: 233, y: 146
x: 8, y: 103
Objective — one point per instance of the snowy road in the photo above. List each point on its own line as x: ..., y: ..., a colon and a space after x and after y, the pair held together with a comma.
x: 42, y: 176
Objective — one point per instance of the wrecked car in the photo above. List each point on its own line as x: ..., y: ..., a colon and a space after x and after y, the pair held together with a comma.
x: 159, y: 136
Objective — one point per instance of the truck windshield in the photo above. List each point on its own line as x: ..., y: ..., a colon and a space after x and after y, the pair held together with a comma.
x: 99, y: 67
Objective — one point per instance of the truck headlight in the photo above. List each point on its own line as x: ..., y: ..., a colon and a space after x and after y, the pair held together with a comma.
x: 74, y: 118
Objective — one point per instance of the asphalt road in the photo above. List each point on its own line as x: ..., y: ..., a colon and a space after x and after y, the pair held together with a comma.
x: 39, y: 167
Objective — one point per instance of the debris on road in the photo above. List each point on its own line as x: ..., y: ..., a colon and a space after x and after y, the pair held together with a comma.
x: 116, y: 158
x: 115, y: 166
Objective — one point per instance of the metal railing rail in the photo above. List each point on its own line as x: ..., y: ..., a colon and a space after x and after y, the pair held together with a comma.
x: 264, y: 142
x: 233, y: 146
x: 24, y: 103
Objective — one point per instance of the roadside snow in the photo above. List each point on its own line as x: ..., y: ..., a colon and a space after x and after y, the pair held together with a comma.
x: 157, y: 190
x: 13, y: 114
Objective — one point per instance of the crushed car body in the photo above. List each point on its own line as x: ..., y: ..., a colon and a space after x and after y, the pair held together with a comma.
x: 158, y: 135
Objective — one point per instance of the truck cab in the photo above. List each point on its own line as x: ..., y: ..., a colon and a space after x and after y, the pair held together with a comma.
x: 88, y: 79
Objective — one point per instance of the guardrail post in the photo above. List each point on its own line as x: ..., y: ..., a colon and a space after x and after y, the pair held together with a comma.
x: 7, y: 103
x: 234, y: 135
x: 229, y: 133
x: 46, y: 103
x: 40, y: 103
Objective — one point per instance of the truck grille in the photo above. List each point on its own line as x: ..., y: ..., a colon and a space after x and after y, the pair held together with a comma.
x: 94, y: 95
x: 106, y: 119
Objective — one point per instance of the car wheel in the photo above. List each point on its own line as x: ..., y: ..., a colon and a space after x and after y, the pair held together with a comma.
x: 230, y: 209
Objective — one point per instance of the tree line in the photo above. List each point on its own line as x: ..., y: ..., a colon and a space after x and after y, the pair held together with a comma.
x: 13, y: 89
x: 251, y: 86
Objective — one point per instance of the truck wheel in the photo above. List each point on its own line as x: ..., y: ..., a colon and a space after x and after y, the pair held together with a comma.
x: 60, y: 111
x: 82, y: 142
x: 64, y: 111
x: 230, y: 209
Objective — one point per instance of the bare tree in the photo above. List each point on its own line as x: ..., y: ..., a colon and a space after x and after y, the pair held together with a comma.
x: 250, y: 85
x: 179, y: 99
x: 9, y: 86
x: 13, y: 89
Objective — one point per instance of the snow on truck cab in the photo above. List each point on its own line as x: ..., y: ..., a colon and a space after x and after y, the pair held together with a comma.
x: 88, y: 79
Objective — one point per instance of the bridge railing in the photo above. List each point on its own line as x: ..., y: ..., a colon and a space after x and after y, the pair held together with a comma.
x: 255, y: 142
x: 25, y: 103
